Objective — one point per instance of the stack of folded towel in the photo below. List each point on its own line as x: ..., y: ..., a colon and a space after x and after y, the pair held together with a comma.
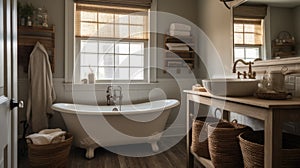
x: 177, y: 46
x: 182, y: 30
x: 46, y: 136
x: 179, y: 29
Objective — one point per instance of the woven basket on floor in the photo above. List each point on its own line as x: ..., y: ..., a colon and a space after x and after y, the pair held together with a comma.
x: 253, y: 149
x: 50, y: 155
x: 224, y: 145
x: 199, y: 135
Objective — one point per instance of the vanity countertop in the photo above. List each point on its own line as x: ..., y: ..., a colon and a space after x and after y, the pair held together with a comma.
x: 253, y: 101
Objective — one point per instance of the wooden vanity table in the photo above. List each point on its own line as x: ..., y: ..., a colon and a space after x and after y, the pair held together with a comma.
x: 273, y: 112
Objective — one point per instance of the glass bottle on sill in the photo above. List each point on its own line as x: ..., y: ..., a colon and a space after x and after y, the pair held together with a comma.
x: 29, y: 21
x: 44, y: 14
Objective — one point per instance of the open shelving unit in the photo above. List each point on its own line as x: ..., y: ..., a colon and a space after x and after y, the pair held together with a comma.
x: 29, y: 36
x: 283, y: 50
x: 284, y: 45
x: 179, y: 58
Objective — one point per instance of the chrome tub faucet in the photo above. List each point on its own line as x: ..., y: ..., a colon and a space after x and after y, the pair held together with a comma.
x: 114, y: 96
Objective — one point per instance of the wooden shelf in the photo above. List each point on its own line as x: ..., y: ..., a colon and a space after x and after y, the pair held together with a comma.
x: 29, y: 36
x: 180, y: 51
x: 185, y: 59
x: 35, y: 29
x: 179, y: 58
x: 283, y: 49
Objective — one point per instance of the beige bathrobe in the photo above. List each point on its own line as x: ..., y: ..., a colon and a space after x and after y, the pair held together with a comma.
x: 41, y: 93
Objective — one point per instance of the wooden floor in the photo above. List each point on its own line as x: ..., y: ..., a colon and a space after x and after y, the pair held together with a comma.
x: 172, y: 158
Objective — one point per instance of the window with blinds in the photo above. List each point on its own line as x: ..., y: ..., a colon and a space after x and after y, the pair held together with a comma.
x: 248, y: 38
x: 111, y: 42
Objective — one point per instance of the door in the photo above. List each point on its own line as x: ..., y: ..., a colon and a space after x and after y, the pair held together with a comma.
x: 8, y: 83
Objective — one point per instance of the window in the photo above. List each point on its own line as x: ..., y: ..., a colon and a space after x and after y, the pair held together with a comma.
x: 111, y: 42
x: 248, y: 39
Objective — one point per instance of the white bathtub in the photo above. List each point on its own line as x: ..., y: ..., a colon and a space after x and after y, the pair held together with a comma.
x: 95, y: 126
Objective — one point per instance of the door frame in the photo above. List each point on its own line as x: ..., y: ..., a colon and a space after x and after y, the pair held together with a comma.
x: 11, y: 79
x: 14, y: 82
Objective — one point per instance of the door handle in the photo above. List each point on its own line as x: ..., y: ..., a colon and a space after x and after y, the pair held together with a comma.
x: 14, y: 103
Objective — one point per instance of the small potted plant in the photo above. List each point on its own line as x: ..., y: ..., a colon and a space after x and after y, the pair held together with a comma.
x: 25, y: 11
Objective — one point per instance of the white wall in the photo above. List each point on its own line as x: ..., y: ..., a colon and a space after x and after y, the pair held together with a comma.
x: 215, y: 20
x: 281, y: 19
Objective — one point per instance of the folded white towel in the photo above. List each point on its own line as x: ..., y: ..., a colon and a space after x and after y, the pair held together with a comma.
x: 180, y: 27
x: 48, y: 131
x: 184, y: 48
x: 176, y: 45
x: 43, y: 139
x: 179, y: 33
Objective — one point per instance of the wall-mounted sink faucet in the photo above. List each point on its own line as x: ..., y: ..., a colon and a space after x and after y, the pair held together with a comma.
x: 114, y: 96
x: 251, y: 74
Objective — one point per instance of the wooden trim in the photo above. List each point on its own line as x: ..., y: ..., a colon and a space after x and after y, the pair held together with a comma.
x: 111, y: 39
x: 247, y: 45
x: 108, y: 9
x: 247, y: 11
x: 247, y: 21
x: 146, y: 4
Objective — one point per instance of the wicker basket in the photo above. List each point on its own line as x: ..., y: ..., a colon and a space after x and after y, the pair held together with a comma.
x: 199, y: 135
x: 50, y: 155
x: 253, y: 149
x: 224, y: 145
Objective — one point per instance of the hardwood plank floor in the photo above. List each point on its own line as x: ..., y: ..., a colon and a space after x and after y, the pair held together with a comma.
x: 175, y: 157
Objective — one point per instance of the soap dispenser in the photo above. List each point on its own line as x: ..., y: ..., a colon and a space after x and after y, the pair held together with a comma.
x: 91, y: 76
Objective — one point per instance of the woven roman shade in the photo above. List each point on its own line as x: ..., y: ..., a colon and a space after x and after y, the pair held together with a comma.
x: 101, y: 21
x: 245, y: 11
x: 248, y: 32
x: 146, y: 4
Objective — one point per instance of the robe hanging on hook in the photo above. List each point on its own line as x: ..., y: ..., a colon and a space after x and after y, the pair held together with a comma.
x: 225, y: 2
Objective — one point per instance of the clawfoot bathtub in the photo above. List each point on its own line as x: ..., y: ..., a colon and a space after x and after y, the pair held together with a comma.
x: 95, y: 126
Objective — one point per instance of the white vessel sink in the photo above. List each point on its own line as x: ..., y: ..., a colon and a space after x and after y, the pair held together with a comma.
x: 231, y: 87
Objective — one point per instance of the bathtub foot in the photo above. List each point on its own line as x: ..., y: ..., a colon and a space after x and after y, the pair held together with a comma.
x: 89, y: 153
x: 154, y: 146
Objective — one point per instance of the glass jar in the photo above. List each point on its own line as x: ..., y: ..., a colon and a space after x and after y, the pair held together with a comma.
x: 44, y: 17
x: 39, y: 17
x: 29, y: 22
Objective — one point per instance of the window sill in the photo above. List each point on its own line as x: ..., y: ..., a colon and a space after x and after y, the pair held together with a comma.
x: 103, y: 86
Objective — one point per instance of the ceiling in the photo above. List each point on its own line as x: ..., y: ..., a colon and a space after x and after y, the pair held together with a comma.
x: 281, y: 3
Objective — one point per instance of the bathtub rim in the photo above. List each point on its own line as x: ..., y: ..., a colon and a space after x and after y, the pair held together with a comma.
x: 58, y: 108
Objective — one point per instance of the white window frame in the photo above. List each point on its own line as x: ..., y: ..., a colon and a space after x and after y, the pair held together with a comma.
x: 249, y: 47
x: 151, y: 58
x: 146, y: 64
x: 245, y: 46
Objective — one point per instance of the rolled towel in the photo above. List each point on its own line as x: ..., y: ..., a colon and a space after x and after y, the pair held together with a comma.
x: 38, y: 139
x: 179, y: 33
x: 184, y: 48
x: 44, y: 139
x: 49, y: 131
x: 56, y: 137
x: 180, y: 27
